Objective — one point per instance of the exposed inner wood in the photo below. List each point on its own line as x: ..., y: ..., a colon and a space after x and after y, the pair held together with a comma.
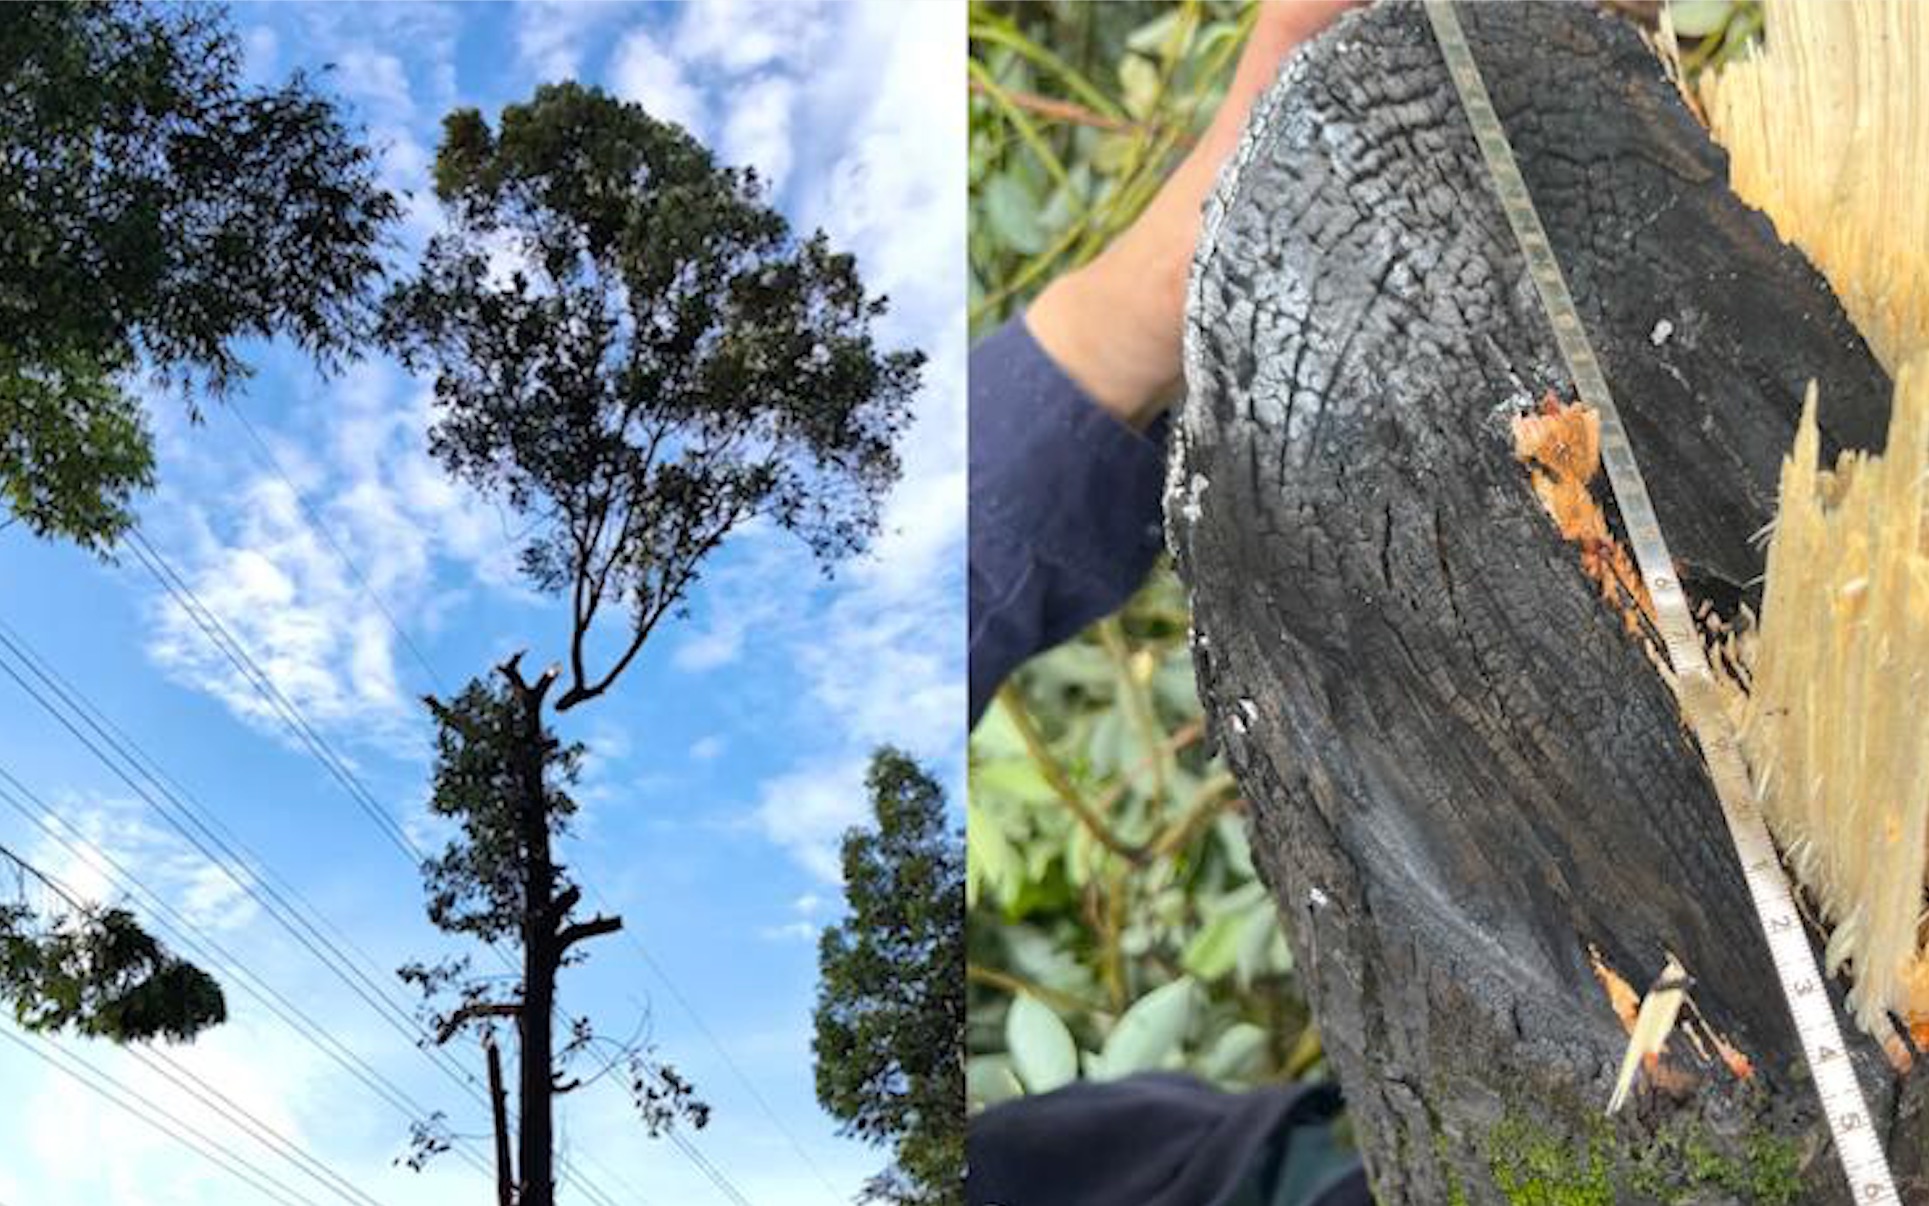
x: 1561, y: 445
x: 1826, y: 134
x: 1836, y: 731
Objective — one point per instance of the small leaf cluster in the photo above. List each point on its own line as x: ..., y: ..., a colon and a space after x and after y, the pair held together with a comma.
x: 475, y: 885
x: 98, y: 974
x: 1078, y: 112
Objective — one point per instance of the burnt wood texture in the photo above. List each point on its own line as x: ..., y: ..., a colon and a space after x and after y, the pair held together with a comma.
x: 1465, y: 772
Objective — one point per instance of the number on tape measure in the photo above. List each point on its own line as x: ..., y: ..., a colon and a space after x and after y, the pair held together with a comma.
x: 1856, y: 1145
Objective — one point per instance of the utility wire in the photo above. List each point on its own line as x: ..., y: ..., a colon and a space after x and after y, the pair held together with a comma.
x: 245, y: 664
x: 181, y: 930
x: 145, y: 1109
x: 176, y: 1073
x: 369, y: 989
x: 676, y: 994
x: 273, y: 463
x: 313, y: 519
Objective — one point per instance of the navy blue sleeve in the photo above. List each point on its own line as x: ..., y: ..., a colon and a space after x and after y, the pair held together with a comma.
x: 1064, y: 507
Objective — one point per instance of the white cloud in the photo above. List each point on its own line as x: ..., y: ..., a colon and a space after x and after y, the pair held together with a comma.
x: 808, y: 810
x: 740, y: 36
x: 105, y: 834
x: 281, y: 586
x: 757, y: 131
x: 552, y: 36
x: 790, y: 931
x: 377, y: 81
x: 260, y: 51
x: 708, y: 749
x: 644, y: 72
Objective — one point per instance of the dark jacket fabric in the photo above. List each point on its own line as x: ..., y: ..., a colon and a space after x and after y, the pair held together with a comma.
x: 1065, y: 525
x: 1064, y: 507
x: 1163, y: 1140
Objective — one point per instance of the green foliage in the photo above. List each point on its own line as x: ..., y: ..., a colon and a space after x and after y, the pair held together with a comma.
x: 660, y: 361
x: 889, y: 1036
x: 74, y: 449
x: 97, y: 973
x: 1115, y: 921
x: 1713, y: 33
x: 153, y: 212
x: 476, y: 885
x: 1078, y: 112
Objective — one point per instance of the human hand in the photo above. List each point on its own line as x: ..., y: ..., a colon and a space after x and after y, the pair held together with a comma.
x: 1115, y: 324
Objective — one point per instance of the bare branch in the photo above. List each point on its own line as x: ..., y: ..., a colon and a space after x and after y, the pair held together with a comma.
x: 474, y: 1011
x: 583, y: 931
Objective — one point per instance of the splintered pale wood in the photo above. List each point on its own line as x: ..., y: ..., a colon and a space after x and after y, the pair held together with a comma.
x: 1836, y: 729
x: 1825, y: 134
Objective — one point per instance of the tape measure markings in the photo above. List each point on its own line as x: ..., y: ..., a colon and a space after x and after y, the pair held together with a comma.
x: 1857, y: 1146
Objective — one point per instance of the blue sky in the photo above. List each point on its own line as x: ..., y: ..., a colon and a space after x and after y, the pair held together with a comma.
x: 721, y: 771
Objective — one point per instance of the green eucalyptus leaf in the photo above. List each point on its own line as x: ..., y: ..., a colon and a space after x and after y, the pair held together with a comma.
x: 1148, y: 1032
x: 1011, y: 210
x: 990, y: 1080
x: 1699, y: 18
x: 1043, y: 1055
x: 1139, y: 80
x: 1236, y: 1054
x: 1214, y: 950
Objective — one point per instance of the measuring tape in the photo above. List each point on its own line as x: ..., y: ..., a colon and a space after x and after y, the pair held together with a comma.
x: 1857, y: 1145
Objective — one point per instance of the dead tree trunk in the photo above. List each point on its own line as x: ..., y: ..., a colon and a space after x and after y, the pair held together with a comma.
x: 499, y: 1118
x: 1466, y: 774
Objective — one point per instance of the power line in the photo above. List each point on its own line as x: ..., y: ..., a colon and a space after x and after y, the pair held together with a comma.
x: 221, y: 1103
x: 146, y: 1110
x: 370, y: 990
x: 245, y: 664
x: 231, y: 648
x: 179, y: 929
x: 313, y: 520
x: 716, y: 1044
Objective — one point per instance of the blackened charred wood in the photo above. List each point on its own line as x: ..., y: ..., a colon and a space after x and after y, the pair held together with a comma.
x: 1465, y: 773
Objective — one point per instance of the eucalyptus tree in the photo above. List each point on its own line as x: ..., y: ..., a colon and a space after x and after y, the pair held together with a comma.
x: 889, y: 1034
x: 633, y: 351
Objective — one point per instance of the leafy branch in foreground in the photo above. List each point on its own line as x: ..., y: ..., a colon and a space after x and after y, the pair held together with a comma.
x: 154, y: 211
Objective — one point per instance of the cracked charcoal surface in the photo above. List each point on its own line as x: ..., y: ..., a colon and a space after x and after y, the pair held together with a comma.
x: 1452, y: 744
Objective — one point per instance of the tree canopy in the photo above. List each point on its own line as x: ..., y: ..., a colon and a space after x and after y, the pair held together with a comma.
x: 632, y: 348
x: 890, y: 1002
x: 476, y: 884
x: 154, y: 211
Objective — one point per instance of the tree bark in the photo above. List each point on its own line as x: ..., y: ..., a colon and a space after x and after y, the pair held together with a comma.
x: 1466, y: 774
x: 536, y: 1150
x: 499, y: 1116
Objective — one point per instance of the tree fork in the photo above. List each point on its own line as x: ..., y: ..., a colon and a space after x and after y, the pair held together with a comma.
x: 1471, y: 792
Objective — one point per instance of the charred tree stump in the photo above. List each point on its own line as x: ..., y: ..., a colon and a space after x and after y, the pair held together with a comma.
x: 1469, y: 781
